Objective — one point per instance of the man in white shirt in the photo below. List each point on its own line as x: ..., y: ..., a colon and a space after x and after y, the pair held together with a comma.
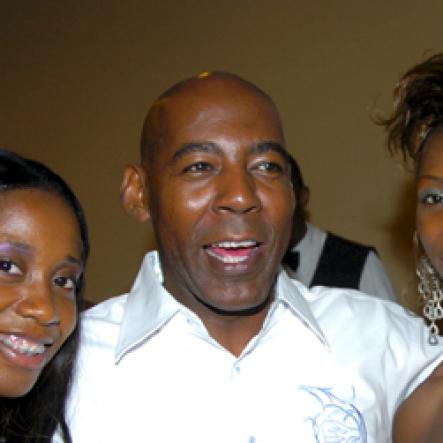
x: 316, y: 257
x: 215, y: 343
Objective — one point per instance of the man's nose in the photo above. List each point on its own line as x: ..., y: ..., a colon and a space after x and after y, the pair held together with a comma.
x: 38, y: 302
x: 236, y: 192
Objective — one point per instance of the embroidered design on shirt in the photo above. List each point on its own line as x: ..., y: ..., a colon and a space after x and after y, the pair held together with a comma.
x: 336, y: 420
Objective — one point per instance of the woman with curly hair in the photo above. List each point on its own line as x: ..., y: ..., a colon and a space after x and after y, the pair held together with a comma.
x: 415, y: 130
x: 43, y: 251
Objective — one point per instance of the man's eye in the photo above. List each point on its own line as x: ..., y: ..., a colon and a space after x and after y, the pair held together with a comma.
x: 65, y: 282
x: 9, y: 267
x: 198, y: 167
x: 269, y: 167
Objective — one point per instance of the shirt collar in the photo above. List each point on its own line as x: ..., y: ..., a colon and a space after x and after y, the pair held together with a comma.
x: 294, y: 295
x: 149, y: 306
x: 303, y: 244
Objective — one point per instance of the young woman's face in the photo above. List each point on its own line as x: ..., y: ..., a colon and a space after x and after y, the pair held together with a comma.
x: 429, y: 214
x: 40, y: 249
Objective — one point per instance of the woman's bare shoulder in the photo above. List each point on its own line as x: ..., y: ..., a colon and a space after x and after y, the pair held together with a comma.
x: 420, y: 418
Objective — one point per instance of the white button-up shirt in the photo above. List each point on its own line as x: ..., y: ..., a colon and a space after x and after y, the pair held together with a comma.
x: 329, y: 365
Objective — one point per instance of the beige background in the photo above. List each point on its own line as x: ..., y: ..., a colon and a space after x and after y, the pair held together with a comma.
x: 77, y: 77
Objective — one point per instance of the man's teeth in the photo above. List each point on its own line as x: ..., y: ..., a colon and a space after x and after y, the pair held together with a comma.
x: 22, y: 346
x: 215, y: 252
x: 228, y: 258
x: 235, y: 244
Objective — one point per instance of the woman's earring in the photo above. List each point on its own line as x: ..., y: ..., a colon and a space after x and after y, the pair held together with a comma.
x: 429, y: 287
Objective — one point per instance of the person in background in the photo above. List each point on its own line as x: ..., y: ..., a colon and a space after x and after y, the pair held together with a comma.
x: 214, y: 342
x: 43, y: 251
x: 415, y: 130
x: 316, y: 257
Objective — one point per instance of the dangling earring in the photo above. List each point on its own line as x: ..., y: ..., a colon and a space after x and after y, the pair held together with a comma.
x: 429, y: 287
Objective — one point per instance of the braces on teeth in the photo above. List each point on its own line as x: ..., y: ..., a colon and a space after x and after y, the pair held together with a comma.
x: 23, y: 346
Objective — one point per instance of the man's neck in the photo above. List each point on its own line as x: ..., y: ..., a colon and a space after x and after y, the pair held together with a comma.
x: 236, y: 331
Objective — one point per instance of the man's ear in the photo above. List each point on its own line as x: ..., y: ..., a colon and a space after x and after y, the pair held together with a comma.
x: 134, y: 193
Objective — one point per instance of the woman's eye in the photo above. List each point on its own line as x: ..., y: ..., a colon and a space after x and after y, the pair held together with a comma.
x: 9, y: 267
x: 65, y: 282
x: 431, y: 198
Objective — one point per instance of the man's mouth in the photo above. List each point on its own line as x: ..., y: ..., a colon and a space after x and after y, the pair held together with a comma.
x: 232, y: 252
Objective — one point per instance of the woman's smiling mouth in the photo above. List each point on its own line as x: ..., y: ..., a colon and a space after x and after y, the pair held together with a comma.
x: 22, y: 345
x: 24, y: 352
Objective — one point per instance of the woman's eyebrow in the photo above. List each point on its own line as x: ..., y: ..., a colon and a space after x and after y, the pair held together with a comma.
x: 7, y: 245
x: 74, y: 260
x: 431, y: 177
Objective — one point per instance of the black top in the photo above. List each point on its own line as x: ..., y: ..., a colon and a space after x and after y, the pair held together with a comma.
x: 341, y: 263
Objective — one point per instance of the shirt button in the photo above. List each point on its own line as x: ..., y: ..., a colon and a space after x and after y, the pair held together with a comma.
x: 237, y: 369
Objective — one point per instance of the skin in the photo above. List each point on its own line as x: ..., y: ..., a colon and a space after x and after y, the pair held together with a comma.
x: 429, y: 212
x: 420, y: 417
x: 40, y: 251
x: 219, y: 173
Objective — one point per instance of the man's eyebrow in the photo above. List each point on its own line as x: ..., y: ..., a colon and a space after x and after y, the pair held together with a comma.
x: 267, y: 146
x: 187, y: 148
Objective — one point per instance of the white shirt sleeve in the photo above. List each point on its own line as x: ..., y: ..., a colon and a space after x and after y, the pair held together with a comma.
x: 374, y: 280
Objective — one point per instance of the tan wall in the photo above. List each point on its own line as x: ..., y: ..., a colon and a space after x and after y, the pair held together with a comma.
x: 76, y: 78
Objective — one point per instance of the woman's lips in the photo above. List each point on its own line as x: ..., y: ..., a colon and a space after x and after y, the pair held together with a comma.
x: 24, y: 351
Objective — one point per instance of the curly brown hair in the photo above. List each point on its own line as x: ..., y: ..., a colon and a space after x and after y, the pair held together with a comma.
x: 418, y: 108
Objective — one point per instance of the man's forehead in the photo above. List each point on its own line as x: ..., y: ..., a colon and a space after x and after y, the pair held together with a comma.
x: 203, y: 100
x: 224, y: 102
x: 213, y: 148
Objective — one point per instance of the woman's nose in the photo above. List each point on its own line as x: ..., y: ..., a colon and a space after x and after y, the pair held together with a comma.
x: 38, y: 302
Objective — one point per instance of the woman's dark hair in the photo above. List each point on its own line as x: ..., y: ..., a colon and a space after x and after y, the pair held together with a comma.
x: 418, y: 108
x: 35, y: 416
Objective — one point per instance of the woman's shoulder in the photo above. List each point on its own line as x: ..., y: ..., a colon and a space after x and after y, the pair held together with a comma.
x: 420, y: 418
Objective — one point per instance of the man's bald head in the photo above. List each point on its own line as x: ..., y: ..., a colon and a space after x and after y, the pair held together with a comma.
x: 214, y: 86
